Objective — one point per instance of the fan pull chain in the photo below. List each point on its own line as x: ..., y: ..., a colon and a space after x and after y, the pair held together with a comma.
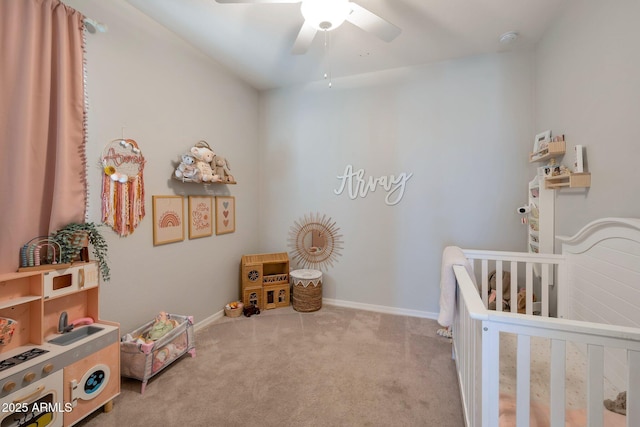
x: 328, y: 56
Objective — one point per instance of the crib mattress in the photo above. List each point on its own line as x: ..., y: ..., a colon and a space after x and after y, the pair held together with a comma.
x: 576, y: 369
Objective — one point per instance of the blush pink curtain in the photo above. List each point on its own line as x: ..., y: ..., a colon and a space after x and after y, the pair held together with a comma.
x: 42, y: 122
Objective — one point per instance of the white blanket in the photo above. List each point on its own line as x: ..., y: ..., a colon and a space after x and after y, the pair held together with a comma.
x: 452, y: 255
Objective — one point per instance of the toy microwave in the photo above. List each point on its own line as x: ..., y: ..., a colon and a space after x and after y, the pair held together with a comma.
x: 70, y: 279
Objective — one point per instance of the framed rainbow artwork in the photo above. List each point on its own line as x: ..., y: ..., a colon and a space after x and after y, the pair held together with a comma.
x: 168, y: 219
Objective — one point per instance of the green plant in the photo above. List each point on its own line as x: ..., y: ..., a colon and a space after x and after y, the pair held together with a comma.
x: 71, y: 238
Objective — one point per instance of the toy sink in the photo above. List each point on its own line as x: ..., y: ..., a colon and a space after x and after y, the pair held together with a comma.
x: 75, y: 335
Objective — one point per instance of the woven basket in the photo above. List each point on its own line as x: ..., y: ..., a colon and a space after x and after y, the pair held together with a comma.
x: 233, y: 312
x: 307, y: 299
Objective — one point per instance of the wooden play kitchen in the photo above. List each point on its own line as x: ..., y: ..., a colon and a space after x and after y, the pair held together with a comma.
x: 307, y: 290
x: 72, y: 373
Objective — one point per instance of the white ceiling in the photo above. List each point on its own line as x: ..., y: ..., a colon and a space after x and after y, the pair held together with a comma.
x: 255, y: 40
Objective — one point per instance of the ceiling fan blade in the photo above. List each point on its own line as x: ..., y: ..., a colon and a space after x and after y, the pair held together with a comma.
x: 372, y: 23
x: 258, y: 1
x: 304, y: 39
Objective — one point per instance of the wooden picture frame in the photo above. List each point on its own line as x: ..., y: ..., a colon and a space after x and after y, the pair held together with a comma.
x: 168, y: 219
x: 539, y: 139
x: 225, y: 214
x: 200, y: 216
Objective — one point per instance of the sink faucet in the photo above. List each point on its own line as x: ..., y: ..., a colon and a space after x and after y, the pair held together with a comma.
x: 63, y: 325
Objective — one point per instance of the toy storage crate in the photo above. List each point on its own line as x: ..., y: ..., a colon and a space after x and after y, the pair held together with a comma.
x: 143, y: 361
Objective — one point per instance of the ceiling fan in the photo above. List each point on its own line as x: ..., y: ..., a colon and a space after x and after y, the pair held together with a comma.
x: 327, y: 15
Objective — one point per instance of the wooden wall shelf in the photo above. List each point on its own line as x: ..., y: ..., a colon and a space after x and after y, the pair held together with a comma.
x: 554, y: 149
x: 190, y: 181
x: 574, y: 180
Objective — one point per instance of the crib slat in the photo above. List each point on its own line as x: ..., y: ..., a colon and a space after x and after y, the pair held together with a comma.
x: 490, y: 375
x: 595, y: 375
x: 514, y: 287
x: 499, y: 295
x: 484, y: 271
x: 523, y: 376
x: 545, y: 290
x: 467, y: 346
x: 468, y: 351
x: 633, y: 389
x: 562, y: 296
x: 558, y: 369
x: 529, y: 287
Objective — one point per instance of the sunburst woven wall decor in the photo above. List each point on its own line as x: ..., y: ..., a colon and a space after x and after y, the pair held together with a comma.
x: 315, y: 242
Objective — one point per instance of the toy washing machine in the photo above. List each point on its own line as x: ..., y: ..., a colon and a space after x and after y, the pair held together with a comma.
x: 91, y: 382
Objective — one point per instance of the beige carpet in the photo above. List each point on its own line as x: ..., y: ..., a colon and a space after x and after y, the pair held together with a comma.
x: 332, y: 367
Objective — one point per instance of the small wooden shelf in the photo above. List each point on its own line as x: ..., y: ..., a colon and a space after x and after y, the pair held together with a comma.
x: 19, y: 300
x: 190, y: 181
x: 43, y: 267
x: 574, y: 180
x: 554, y: 149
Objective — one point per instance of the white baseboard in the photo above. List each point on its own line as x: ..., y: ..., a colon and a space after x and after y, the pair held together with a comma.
x: 380, y: 308
x: 209, y: 320
x: 341, y: 303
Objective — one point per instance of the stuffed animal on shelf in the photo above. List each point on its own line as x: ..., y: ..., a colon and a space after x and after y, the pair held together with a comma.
x: 221, y: 168
x: 187, y: 170
x: 204, y: 157
x: 506, y: 290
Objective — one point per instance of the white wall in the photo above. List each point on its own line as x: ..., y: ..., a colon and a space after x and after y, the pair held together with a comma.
x: 463, y: 128
x: 588, y: 88
x: 168, y: 96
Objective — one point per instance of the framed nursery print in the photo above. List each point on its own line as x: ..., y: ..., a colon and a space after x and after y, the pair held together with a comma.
x: 168, y: 219
x: 540, y: 139
x: 200, y: 216
x: 225, y: 214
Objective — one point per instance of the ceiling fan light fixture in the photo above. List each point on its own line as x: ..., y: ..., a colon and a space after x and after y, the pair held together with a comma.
x: 325, y: 15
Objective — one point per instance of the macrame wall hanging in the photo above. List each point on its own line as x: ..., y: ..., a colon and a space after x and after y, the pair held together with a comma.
x: 122, y: 186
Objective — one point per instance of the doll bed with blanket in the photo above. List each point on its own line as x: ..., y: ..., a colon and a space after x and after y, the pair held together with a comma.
x: 142, y: 358
x: 537, y: 370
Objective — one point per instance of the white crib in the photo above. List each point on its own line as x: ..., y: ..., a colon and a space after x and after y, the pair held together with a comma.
x: 598, y: 306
